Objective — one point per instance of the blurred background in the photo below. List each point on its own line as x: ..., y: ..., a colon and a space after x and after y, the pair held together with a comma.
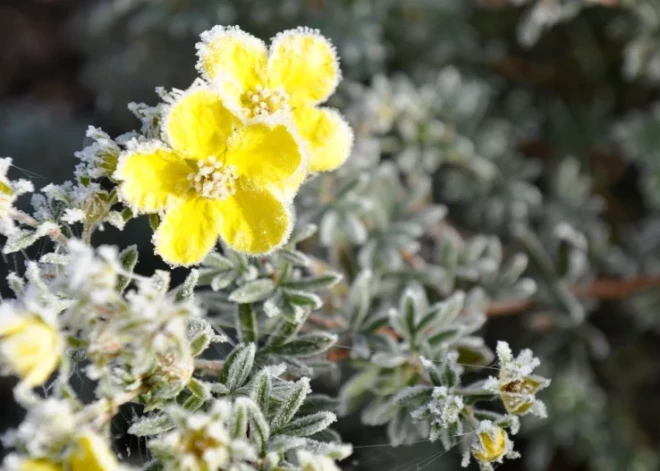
x: 575, y: 83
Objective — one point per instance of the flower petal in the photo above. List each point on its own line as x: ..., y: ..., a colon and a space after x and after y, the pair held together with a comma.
x: 151, y: 177
x: 198, y: 124
x: 266, y: 154
x: 228, y: 53
x: 188, y: 231
x: 254, y: 221
x: 92, y: 453
x: 328, y: 135
x: 39, y: 465
x: 305, y: 64
x: 32, y: 352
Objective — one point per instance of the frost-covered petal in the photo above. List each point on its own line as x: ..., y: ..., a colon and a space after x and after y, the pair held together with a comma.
x: 31, y: 350
x: 92, y: 453
x: 268, y: 155
x: 228, y: 53
x: 151, y: 177
x: 305, y: 64
x: 328, y: 136
x: 198, y: 124
x: 188, y: 231
x: 254, y: 221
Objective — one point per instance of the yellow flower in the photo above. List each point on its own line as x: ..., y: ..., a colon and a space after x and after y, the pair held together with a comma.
x: 39, y: 465
x: 213, y: 180
x: 92, y: 453
x: 516, y: 386
x: 30, y: 347
x: 493, y: 444
x: 299, y: 71
x: 518, y: 396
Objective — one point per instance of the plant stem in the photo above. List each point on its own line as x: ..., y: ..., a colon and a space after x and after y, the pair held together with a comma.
x: 601, y: 289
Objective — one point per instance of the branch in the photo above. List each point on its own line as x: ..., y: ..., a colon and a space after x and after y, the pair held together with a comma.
x: 209, y: 366
x: 602, y: 289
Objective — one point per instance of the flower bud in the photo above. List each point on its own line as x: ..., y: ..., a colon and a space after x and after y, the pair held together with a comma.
x: 492, y: 444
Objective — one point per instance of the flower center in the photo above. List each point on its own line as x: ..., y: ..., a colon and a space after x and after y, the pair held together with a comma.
x: 262, y: 102
x: 213, y: 179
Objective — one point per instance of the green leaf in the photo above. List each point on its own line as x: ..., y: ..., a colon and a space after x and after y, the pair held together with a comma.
x: 224, y: 279
x: 328, y: 436
x: 449, y: 309
x: 304, y: 299
x: 437, y: 377
x: 200, y: 335
x: 414, y: 396
x: 446, y: 336
x: 199, y: 388
x: 291, y: 404
x: 401, y: 430
x: 305, y: 345
x: 116, y: 219
x: 239, y: 420
x: 403, y: 320
x: 194, y: 403
x: 128, y: 259
x: 308, y: 425
x: 379, y: 411
x: 154, y: 466
x: 261, y: 390
x: 247, y: 323
x: 154, y: 425
x: 376, y: 321
x: 450, y: 375
x: 286, y: 330
x: 76, y: 342
x: 238, y: 366
x: 154, y: 221
x: 199, y: 344
x: 23, y: 238
x: 259, y: 429
x: 187, y: 290
x: 474, y: 395
x: 317, y: 403
x: 315, y: 283
x: 304, y: 232
x: 356, y: 389
x: 294, y: 257
x: 253, y: 291
x: 359, y: 299
x: 217, y: 261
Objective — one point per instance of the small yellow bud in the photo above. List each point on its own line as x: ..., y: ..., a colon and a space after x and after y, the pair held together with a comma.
x: 31, y: 349
x: 39, y: 465
x: 91, y: 453
x: 493, y: 445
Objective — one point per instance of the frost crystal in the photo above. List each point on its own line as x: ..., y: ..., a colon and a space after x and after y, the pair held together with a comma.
x: 443, y: 411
